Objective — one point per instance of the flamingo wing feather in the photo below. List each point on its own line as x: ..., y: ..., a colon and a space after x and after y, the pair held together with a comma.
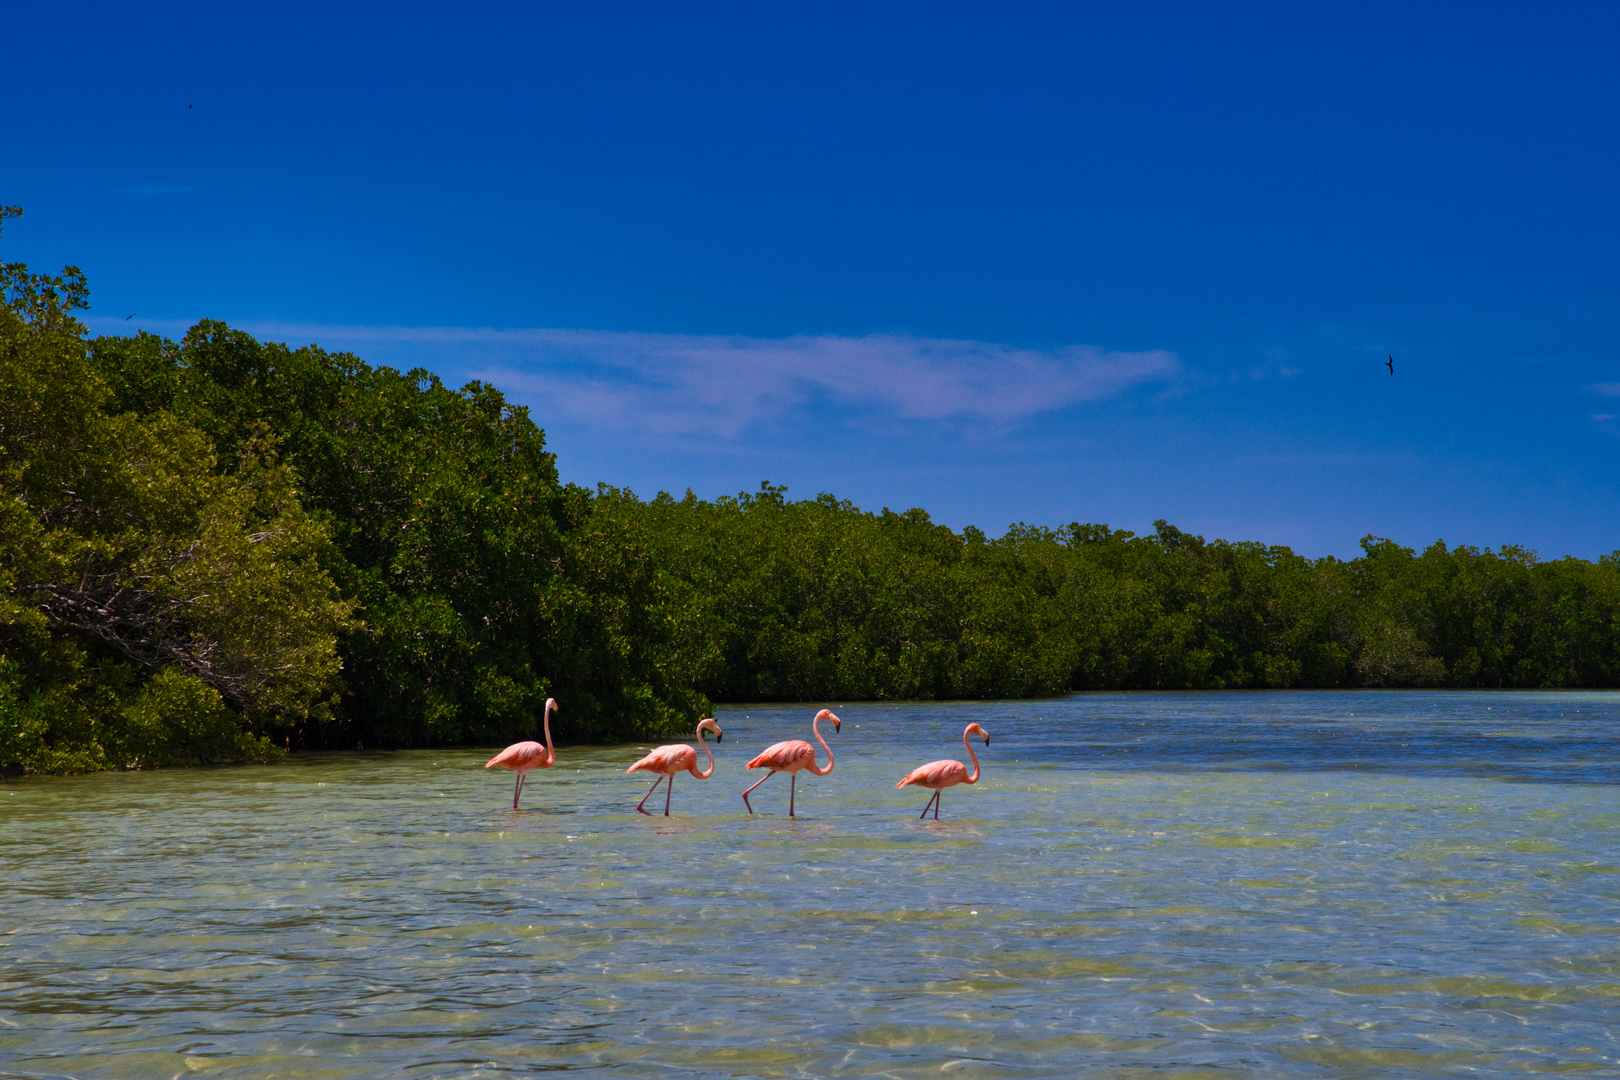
x: 936, y: 774
x: 523, y: 755
x: 784, y: 755
x: 667, y: 759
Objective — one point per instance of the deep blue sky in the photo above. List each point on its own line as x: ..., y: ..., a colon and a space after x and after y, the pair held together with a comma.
x: 860, y: 248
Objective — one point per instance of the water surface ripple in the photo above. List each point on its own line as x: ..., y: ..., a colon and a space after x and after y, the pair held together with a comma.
x: 1144, y: 885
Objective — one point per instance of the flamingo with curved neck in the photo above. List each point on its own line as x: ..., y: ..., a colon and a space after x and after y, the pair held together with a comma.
x: 948, y: 772
x: 523, y: 756
x: 794, y: 756
x: 666, y: 761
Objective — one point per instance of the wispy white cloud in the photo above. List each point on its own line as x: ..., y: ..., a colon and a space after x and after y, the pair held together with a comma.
x: 1607, y: 389
x: 721, y: 385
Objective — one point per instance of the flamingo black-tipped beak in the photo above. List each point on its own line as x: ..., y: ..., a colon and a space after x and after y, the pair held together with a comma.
x: 719, y: 736
x: 837, y: 726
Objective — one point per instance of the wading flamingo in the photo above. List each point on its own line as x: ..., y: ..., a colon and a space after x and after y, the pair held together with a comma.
x: 666, y: 761
x: 792, y: 756
x: 523, y: 756
x: 936, y: 776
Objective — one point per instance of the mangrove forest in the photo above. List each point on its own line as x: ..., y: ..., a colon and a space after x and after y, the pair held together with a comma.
x: 220, y: 548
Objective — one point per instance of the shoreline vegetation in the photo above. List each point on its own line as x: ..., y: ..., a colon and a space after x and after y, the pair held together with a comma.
x: 218, y: 549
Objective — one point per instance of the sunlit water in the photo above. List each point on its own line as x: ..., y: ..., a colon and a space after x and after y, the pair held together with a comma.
x: 1167, y: 885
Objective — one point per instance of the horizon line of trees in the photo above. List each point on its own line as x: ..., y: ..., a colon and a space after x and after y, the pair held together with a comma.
x: 219, y: 548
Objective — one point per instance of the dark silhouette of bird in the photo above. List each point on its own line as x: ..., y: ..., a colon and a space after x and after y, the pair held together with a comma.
x: 128, y: 317
x: 191, y: 106
x: 1390, y: 363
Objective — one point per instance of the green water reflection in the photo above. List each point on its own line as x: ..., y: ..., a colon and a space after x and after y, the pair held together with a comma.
x: 1143, y: 885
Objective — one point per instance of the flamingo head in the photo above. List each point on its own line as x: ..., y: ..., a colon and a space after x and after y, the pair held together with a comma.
x: 975, y: 729
x: 551, y: 705
x: 827, y: 714
x: 708, y: 724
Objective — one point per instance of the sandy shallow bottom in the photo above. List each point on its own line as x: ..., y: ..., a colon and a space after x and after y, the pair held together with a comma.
x: 1143, y: 885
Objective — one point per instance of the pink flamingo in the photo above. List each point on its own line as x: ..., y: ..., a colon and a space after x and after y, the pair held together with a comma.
x: 792, y: 756
x: 666, y: 761
x: 523, y: 756
x: 939, y: 775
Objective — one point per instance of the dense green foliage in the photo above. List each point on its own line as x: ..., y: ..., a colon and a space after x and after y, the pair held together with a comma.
x: 483, y: 584
x: 818, y: 600
x: 154, y: 607
x: 213, y: 547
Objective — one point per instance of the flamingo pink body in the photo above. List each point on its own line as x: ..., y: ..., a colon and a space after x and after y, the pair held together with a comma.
x: 669, y: 760
x: 936, y: 776
x: 666, y: 761
x: 792, y: 757
x: 523, y: 756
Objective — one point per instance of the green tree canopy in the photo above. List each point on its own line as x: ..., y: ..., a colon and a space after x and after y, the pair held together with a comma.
x: 144, y: 592
x: 210, y: 544
x: 483, y: 584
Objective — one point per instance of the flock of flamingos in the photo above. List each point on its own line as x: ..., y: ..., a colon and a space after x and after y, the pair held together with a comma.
x: 792, y: 757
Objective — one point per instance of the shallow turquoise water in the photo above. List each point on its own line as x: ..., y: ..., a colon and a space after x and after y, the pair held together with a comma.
x: 1164, y: 885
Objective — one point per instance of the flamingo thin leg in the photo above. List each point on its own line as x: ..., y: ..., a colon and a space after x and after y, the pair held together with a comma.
x: 793, y: 790
x: 647, y: 796
x: 756, y: 784
x: 517, y: 790
x: 937, y: 794
x: 669, y: 789
x: 927, y: 806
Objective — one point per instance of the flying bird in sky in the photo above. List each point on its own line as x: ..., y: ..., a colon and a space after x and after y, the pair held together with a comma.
x: 1390, y: 363
x: 128, y: 317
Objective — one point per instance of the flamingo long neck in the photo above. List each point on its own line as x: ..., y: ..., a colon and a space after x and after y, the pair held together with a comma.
x: 705, y: 744
x: 815, y: 726
x: 551, y: 755
x: 974, y: 779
